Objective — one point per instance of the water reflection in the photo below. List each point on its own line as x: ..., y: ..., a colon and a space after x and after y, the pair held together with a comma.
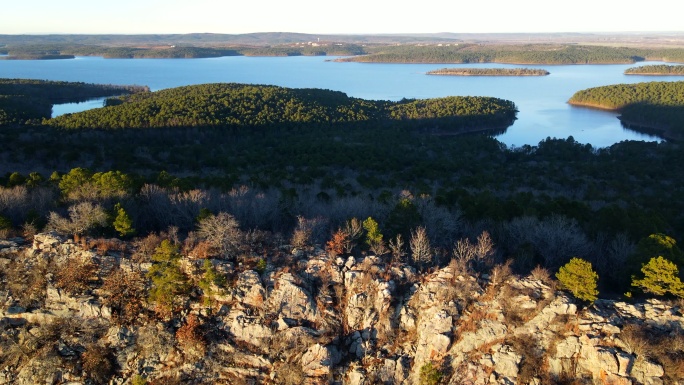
x: 70, y: 108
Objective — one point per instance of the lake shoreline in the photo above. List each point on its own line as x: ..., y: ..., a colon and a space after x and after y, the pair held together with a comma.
x: 659, y: 131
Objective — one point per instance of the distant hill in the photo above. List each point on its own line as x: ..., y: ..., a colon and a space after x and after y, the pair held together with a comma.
x: 275, y: 38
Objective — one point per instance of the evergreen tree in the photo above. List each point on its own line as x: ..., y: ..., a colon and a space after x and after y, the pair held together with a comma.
x: 374, y: 236
x: 579, y: 277
x: 123, y: 223
x: 660, y: 277
x: 168, y: 281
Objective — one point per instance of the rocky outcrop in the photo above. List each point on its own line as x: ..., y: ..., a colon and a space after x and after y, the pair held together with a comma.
x: 319, y: 320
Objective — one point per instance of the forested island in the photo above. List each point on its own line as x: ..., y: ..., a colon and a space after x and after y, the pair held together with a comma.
x: 231, y: 233
x: 656, y: 69
x: 37, y: 56
x: 489, y: 72
x: 650, y: 106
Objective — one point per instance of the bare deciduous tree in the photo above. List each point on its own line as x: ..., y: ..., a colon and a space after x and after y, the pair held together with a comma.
x: 353, y: 228
x: 396, y: 247
x: 83, y: 216
x: 464, y: 251
x: 421, y: 251
x: 222, y: 232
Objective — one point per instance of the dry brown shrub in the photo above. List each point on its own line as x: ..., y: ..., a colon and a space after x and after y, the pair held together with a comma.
x: 76, y: 275
x: 636, y: 340
x: 124, y: 293
x: 512, y: 310
x: 541, y: 274
x: 26, y: 282
x: 28, y: 231
x: 532, y: 361
x: 144, y: 248
x: 501, y: 273
x: 201, y: 250
x: 471, y: 323
x: 290, y: 374
x: 191, y: 337
x: 103, y: 245
x: 336, y: 246
x: 661, y: 343
x: 97, y: 363
x: 301, y: 238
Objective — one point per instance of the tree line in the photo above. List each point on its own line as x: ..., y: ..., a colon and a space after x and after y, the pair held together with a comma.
x: 489, y: 72
x: 656, y: 69
x: 46, y: 51
x: 521, y: 54
x: 651, y: 105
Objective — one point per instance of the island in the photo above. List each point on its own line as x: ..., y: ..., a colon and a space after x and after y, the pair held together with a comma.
x: 489, y: 72
x: 656, y: 70
x: 648, y: 107
x: 37, y: 57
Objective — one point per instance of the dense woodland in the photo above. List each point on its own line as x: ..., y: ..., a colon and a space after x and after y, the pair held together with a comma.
x: 65, y: 51
x: 656, y: 69
x: 543, y: 204
x: 23, y: 100
x: 447, y: 52
x: 655, y: 105
x: 489, y: 72
x: 238, y: 105
x: 521, y: 54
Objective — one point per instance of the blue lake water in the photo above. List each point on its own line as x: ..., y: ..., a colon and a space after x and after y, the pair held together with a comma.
x: 541, y: 100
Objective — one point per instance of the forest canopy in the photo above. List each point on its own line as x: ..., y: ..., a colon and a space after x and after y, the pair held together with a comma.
x: 650, y: 105
x: 239, y: 105
x: 520, y: 54
x: 23, y: 100
x: 656, y: 69
x: 489, y: 72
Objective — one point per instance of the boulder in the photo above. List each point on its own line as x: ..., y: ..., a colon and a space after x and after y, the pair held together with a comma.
x: 290, y: 301
x: 317, y: 361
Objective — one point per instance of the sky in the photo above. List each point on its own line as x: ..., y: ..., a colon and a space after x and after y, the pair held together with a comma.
x: 344, y: 17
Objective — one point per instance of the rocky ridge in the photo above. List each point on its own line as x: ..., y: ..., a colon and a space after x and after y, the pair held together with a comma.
x: 321, y: 319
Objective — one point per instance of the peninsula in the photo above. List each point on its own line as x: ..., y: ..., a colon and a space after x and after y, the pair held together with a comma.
x: 649, y: 106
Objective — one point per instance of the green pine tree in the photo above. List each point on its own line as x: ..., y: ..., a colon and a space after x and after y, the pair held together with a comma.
x: 122, y: 223
x: 660, y: 277
x: 168, y: 281
x: 579, y: 277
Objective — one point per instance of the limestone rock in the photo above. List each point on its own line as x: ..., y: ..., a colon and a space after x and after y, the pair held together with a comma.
x: 288, y: 300
x: 249, y: 289
x: 249, y: 329
x: 317, y: 361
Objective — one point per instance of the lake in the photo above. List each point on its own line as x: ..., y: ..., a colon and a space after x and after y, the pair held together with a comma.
x: 541, y: 100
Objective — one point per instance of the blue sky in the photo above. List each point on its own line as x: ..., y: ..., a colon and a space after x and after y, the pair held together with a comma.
x: 348, y: 17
